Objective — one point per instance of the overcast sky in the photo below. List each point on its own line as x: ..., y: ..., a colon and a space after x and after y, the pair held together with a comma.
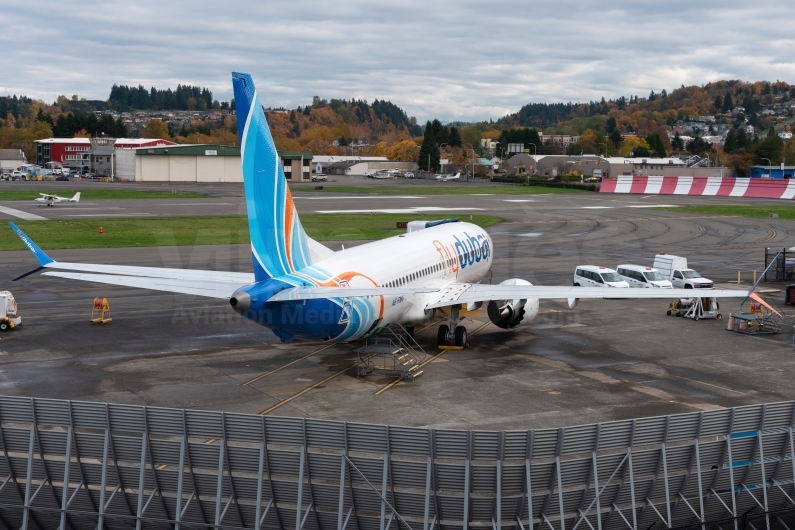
x: 465, y: 60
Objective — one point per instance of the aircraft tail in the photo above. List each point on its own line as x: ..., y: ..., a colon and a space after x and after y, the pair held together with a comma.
x: 278, y: 241
x: 76, y: 198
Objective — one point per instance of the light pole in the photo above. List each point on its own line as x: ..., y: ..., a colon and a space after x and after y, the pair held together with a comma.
x: 535, y: 148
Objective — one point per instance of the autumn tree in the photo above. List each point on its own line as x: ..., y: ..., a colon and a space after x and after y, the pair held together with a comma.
x: 634, y: 146
x: 157, y: 129
x: 405, y: 151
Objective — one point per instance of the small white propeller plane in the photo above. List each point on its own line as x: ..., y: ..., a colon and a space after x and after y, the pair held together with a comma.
x: 50, y: 199
x: 445, y: 178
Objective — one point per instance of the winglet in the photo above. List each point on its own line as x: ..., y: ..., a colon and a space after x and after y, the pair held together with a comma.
x: 43, y: 258
x: 76, y: 198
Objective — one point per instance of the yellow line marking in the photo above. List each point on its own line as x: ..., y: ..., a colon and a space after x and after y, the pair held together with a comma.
x: 286, y: 365
x: 307, y: 389
x: 161, y: 466
x: 211, y: 440
x: 396, y: 381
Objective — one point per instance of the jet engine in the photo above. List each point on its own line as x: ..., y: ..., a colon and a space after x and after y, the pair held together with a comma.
x: 507, y: 314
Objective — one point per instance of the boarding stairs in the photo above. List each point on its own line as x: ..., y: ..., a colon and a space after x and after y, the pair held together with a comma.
x: 391, y: 352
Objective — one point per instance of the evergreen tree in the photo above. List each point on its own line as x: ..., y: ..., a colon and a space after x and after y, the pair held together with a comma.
x: 616, y: 138
x: 728, y: 104
x: 730, y: 145
x: 743, y: 142
x: 610, y: 126
x: 429, y: 150
x: 718, y: 103
x: 656, y: 145
x: 455, y: 137
x: 677, y: 143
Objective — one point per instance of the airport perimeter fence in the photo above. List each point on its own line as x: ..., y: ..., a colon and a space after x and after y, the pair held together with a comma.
x: 80, y: 465
x: 546, y: 182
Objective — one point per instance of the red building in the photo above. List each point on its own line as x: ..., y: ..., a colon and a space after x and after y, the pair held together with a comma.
x: 79, y: 155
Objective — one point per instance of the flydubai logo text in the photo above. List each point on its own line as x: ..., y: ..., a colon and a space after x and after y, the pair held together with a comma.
x: 472, y: 249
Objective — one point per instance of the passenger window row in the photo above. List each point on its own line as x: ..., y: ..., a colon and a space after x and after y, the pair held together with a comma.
x: 415, y: 276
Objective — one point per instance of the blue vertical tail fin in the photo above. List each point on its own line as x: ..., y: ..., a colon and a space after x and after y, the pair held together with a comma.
x: 278, y: 241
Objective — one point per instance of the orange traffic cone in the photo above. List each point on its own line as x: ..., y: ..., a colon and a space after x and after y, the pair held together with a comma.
x: 730, y: 323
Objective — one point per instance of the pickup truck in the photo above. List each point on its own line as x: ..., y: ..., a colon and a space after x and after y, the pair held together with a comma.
x: 675, y: 269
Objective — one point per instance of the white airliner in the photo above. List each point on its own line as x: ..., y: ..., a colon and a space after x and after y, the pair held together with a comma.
x: 300, y: 288
x: 49, y: 199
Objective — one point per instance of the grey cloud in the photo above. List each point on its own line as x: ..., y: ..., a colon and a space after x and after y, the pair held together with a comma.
x: 453, y: 60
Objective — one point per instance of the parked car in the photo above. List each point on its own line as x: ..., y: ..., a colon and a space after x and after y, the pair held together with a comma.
x: 62, y: 177
x: 643, y: 277
x: 408, y: 175
x: 18, y: 175
x: 319, y: 176
x: 593, y: 276
x: 89, y: 176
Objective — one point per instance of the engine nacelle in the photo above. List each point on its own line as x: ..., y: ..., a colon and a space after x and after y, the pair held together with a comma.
x: 507, y: 314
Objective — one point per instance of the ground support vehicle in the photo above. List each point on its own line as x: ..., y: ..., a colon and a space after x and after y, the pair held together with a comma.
x: 8, y: 312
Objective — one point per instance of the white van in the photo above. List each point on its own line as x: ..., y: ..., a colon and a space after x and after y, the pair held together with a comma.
x: 643, y: 277
x: 593, y: 276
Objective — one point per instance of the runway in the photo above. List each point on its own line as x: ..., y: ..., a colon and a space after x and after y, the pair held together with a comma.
x: 604, y: 360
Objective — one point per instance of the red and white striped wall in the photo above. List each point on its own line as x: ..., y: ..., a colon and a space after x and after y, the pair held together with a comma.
x: 706, y: 186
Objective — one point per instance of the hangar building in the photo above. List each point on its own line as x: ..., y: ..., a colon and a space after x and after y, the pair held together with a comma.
x: 200, y: 163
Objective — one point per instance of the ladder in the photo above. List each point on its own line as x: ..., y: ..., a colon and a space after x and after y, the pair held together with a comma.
x: 392, y: 353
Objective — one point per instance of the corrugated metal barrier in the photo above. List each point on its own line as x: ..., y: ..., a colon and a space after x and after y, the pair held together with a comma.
x: 148, y: 467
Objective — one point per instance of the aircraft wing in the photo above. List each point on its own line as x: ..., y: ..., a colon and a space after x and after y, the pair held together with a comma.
x: 311, y: 293
x: 460, y: 293
x: 466, y: 293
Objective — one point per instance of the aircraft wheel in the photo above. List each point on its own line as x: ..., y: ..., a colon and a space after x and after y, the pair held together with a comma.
x: 720, y: 317
x: 3, y: 326
x: 460, y: 336
x: 441, y: 335
x: 696, y: 317
x: 669, y: 312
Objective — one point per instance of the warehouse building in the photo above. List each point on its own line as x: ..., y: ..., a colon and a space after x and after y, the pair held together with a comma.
x: 200, y: 163
x: 10, y: 159
x: 83, y: 155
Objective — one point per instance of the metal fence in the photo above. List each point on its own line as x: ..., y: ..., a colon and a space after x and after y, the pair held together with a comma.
x: 80, y: 465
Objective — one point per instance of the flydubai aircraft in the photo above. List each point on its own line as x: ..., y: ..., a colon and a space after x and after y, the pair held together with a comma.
x: 301, y: 289
x: 50, y: 199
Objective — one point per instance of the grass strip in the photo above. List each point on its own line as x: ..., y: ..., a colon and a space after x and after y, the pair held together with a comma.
x: 169, y: 231
x: 784, y: 212
x: 441, y: 189
x: 89, y: 194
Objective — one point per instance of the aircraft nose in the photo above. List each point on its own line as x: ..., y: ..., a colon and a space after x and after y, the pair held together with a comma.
x: 240, y: 301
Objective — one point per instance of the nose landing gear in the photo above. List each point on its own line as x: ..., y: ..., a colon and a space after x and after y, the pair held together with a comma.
x: 453, y: 334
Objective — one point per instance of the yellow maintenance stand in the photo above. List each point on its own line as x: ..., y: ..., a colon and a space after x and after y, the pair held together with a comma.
x: 100, y: 312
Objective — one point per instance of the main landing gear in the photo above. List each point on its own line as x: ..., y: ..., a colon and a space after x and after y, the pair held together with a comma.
x: 453, y: 334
